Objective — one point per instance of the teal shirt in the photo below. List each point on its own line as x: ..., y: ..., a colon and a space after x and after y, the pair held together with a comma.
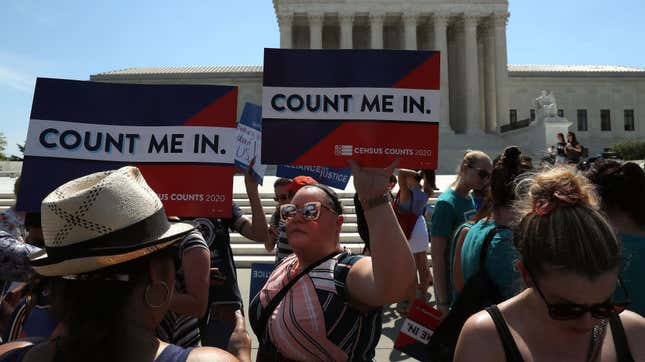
x: 450, y: 211
x: 501, y: 258
x: 633, y: 273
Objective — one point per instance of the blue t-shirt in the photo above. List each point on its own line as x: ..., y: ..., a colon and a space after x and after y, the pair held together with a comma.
x: 633, y: 273
x: 501, y: 258
x: 450, y: 211
x: 416, y: 203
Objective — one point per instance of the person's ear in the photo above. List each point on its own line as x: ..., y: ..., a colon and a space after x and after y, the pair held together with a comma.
x: 340, y: 219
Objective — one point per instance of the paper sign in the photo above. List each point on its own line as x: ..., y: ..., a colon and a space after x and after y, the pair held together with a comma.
x: 417, y: 329
x: 333, y: 177
x: 323, y: 107
x: 260, y: 273
x: 248, y: 141
x: 181, y: 137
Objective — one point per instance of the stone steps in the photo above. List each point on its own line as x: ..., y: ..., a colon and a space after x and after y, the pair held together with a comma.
x: 247, y: 252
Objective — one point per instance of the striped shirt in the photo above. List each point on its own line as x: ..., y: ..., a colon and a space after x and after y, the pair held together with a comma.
x: 314, y: 321
x: 179, y: 329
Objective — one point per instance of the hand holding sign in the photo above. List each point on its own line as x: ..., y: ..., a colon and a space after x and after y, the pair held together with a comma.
x: 371, y: 182
x: 248, y: 142
x: 249, y: 178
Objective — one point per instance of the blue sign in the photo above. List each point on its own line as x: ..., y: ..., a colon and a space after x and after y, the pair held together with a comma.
x: 260, y: 273
x: 330, y: 176
x: 248, y: 141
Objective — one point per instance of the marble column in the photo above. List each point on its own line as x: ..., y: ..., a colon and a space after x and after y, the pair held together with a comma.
x: 410, y: 29
x: 346, y: 31
x: 473, y: 113
x: 457, y: 76
x: 376, y: 30
x: 501, y: 68
x: 315, y: 30
x: 441, y: 44
x: 285, y: 22
x: 490, y: 89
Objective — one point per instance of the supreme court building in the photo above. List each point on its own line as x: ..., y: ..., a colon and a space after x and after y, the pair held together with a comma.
x: 486, y: 103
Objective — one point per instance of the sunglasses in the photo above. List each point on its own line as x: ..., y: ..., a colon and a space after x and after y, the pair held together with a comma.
x: 569, y: 311
x: 310, y: 211
x: 483, y: 174
x: 281, y: 198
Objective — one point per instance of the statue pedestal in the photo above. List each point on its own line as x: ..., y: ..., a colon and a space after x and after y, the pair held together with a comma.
x: 553, y: 126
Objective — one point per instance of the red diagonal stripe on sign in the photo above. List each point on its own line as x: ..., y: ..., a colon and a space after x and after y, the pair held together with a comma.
x: 221, y: 113
x: 377, y: 134
x: 425, y: 76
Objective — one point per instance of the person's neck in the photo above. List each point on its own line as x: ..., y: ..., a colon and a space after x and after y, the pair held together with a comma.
x: 621, y: 222
x: 139, y: 340
x: 461, y: 188
x: 502, y: 215
x: 307, y: 259
x: 132, y: 341
x: 536, y: 312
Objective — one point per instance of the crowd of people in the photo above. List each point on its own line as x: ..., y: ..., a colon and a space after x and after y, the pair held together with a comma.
x: 563, y: 249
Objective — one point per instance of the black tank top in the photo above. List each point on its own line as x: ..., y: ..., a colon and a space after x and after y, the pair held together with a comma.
x: 513, y: 353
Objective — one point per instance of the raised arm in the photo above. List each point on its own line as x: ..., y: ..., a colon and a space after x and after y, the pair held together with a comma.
x: 404, y: 190
x: 385, y: 277
x: 255, y: 229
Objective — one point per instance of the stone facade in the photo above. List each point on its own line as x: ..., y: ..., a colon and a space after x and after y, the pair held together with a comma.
x: 480, y: 91
x: 471, y: 36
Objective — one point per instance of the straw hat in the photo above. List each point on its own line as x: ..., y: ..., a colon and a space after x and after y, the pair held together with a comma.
x: 100, y: 220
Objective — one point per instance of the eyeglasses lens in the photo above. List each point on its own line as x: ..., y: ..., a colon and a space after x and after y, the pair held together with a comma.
x: 311, y: 211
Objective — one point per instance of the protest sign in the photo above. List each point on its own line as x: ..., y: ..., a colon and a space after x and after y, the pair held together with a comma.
x: 248, y: 141
x: 260, y: 273
x: 417, y: 329
x: 181, y: 137
x: 323, y: 107
x: 333, y: 177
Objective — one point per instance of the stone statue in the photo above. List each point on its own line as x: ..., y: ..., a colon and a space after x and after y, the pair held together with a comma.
x: 545, y: 105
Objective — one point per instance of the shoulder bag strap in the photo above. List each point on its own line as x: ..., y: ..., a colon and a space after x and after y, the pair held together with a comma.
x: 623, y: 353
x: 510, y: 347
x: 266, y: 312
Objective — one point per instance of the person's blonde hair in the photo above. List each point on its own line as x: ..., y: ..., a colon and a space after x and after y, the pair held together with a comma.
x: 561, y: 227
x: 470, y: 158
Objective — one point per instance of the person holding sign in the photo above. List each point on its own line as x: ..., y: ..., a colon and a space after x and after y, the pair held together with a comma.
x: 408, y: 205
x: 112, y: 272
x: 224, y: 297
x: 287, y: 315
x: 570, y: 263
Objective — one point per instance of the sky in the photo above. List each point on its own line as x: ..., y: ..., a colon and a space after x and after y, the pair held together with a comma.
x: 73, y: 39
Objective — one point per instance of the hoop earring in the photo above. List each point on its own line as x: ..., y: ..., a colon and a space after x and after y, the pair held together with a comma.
x: 166, y: 292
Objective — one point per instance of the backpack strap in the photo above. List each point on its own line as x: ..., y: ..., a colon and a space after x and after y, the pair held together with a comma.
x: 483, y: 252
x: 510, y: 347
x: 623, y: 354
